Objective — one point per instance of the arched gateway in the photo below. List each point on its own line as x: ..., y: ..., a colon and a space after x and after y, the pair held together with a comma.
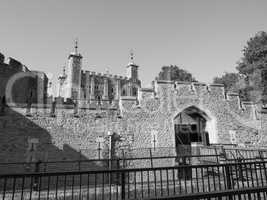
x: 192, y: 125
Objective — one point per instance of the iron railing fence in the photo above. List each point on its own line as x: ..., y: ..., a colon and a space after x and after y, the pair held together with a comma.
x: 144, y: 157
x: 257, y: 193
x: 49, y: 154
x: 234, y: 152
x: 141, y: 183
x: 102, y: 164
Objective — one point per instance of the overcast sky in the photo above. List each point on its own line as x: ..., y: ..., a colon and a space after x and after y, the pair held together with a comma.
x: 206, y: 37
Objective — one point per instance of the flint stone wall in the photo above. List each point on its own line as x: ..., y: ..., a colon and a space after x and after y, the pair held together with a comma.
x: 69, y: 137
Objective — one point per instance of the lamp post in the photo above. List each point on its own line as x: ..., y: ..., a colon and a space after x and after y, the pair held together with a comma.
x: 110, y: 134
x: 154, y: 138
x: 154, y: 141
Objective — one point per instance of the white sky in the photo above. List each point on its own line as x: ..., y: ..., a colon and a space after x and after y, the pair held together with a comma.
x: 205, y: 37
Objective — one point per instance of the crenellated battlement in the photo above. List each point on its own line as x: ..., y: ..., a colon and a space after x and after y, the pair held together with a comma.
x: 248, y: 105
x: 104, y: 75
x: 145, y: 93
x: 12, y: 64
x: 232, y: 96
x: 234, y: 100
x: 199, y: 87
x: 78, y: 83
x: 192, y: 88
x: 210, y: 92
x: 217, y: 90
x: 55, y: 106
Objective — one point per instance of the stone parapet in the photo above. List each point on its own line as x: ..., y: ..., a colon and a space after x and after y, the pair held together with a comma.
x: 234, y: 100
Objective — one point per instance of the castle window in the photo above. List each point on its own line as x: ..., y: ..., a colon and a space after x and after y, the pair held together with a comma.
x: 134, y: 91
x: 98, y: 100
x: 123, y: 93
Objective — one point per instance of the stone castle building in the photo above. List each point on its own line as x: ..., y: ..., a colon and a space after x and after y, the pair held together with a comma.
x: 164, y: 117
x: 92, y: 88
x: 20, y: 85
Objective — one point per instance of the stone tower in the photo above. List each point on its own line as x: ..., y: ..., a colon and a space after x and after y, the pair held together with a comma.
x: 61, y: 81
x: 132, y: 69
x: 73, y: 79
x: 132, y: 75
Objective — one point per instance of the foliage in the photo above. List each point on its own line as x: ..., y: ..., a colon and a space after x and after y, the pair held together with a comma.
x: 248, y: 81
x: 253, y: 62
x: 254, y: 55
x: 175, y: 73
x: 233, y: 82
x: 229, y: 80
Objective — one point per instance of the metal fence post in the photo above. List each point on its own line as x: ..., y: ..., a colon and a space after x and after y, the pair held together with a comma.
x: 36, y: 178
x: 228, y: 179
x: 110, y: 149
x: 79, y: 161
x: 223, y: 154
x: 261, y: 155
x: 45, y: 161
x: 240, y: 169
x: 123, y: 159
x: 118, y: 163
x: 123, y: 186
x: 151, y: 158
x: 98, y: 149
x: 216, y: 153
x: 265, y: 174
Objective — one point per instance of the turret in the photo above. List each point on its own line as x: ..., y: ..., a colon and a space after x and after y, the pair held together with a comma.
x: 61, y: 81
x: 132, y: 74
x: 2, y: 58
x: 132, y: 69
x: 73, y: 80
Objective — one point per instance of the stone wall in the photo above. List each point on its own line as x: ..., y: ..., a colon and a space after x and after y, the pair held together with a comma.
x: 65, y: 128
x: 72, y: 135
x: 63, y: 137
x: 156, y: 114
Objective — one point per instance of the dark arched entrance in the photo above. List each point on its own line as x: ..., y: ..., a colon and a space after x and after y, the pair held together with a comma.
x: 189, y: 127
